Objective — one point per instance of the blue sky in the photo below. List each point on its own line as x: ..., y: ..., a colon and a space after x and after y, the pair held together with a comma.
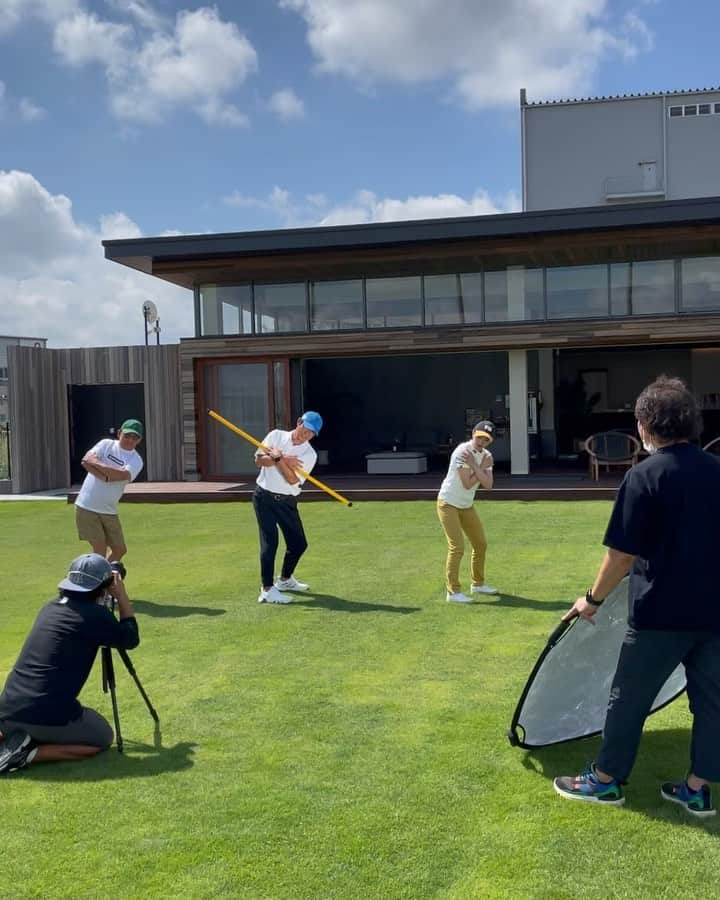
x: 122, y: 118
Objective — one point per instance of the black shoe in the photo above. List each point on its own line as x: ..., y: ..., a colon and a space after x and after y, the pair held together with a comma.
x: 17, y: 749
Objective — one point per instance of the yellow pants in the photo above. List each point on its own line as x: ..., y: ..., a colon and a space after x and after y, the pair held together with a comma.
x: 456, y: 524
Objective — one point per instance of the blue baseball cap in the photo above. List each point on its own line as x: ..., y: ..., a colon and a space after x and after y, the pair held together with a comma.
x: 312, y: 420
x: 87, y: 572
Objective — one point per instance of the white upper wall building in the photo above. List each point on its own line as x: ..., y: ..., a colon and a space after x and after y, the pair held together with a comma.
x: 610, y: 150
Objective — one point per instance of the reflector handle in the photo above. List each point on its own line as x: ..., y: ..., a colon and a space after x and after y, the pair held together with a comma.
x: 559, y: 632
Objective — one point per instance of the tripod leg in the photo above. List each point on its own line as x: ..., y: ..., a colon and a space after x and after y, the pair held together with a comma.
x: 109, y: 679
x: 157, y: 736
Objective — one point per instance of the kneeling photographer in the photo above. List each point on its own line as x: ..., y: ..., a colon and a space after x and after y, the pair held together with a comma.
x: 41, y: 719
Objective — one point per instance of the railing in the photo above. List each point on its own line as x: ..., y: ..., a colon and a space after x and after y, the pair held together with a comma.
x: 5, y: 451
x: 632, y: 185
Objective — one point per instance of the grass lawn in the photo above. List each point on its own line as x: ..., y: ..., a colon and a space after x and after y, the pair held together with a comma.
x: 350, y: 745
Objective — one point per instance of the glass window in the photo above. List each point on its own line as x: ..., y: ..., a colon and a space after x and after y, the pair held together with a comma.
x: 620, y: 289
x: 717, y: 107
x: 701, y: 283
x: 442, y: 300
x: 225, y: 309
x: 241, y: 393
x: 704, y: 109
x: 280, y: 308
x: 691, y: 110
x: 577, y: 292
x: 471, y: 297
x: 643, y: 288
x: 514, y: 294
x: 675, y: 111
x: 336, y: 305
x: 393, y: 302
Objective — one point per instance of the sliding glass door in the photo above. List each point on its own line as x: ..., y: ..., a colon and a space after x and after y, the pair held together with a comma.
x: 252, y: 395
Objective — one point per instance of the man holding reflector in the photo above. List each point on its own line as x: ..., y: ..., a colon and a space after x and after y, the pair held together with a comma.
x: 283, y: 455
x: 665, y: 531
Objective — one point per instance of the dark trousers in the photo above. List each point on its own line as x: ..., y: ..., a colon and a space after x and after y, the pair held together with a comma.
x: 275, y: 511
x: 647, y: 659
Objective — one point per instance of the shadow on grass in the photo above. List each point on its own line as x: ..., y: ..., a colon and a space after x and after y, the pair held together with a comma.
x: 113, y: 765
x: 663, y: 756
x: 328, y: 601
x: 511, y: 600
x: 172, y: 611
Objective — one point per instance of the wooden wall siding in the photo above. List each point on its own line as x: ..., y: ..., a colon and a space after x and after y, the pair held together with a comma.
x: 611, y: 245
x: 39, y: 407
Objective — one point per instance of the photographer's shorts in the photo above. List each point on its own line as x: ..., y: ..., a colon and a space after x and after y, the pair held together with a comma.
x: 91, y: 729
x: 99, y: 528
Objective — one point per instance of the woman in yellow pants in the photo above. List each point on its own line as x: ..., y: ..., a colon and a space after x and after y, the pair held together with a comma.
x: 470, y: 468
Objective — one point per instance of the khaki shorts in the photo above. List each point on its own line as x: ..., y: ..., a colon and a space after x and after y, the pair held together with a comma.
x: 99, y: 528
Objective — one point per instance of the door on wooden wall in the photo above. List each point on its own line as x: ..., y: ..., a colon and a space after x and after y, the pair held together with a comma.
x: 97, y: 411
x: 255, y: 396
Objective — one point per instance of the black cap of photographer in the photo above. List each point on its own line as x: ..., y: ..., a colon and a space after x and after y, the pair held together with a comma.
x: 40, y: 716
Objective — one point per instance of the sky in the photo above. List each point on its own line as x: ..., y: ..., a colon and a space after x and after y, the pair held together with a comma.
x: 131, y: 118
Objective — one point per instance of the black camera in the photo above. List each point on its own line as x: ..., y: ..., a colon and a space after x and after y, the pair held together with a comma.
x: 119, y: 568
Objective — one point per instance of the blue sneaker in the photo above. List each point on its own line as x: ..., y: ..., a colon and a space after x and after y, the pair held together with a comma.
x: 587, y: 786
x: 697, y: 803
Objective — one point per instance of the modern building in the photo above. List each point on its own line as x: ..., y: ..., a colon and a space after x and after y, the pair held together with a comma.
x: 407, y: 332
x: 403, y: 334
x: 626, y: 149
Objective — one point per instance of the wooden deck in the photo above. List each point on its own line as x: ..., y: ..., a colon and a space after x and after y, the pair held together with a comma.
x: 358, y: 487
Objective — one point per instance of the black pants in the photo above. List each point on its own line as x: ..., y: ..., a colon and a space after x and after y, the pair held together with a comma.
x: 275, y: 511
x: 647, y: 659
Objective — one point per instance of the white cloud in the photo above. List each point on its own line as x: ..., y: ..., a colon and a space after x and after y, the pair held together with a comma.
x: 486, y: 51
x: 23, y: 109
x: 12, y: 12
x: 287, y: 105
x: 84, y: 38
x: 56, y: 283
x: 195, y: 62
x: 29, y: 111
x: 365, y: 206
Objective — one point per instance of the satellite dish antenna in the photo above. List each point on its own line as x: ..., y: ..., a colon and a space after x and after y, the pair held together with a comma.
x: 150, y: 315
x: 150, y: 312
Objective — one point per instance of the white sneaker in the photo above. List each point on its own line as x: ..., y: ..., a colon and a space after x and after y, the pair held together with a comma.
x: 483, y: 589
x: 457, y: 598
x: 273, y: 595
x: 290, y: 584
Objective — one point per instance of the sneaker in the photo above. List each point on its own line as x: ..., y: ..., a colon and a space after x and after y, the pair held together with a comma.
x: 697, y: 803
x: 17, y: 750
x: 483, y: 589
x: 290, y: 584
x: 457, y: 598
x: 587, y: 786
x: 273, y: 595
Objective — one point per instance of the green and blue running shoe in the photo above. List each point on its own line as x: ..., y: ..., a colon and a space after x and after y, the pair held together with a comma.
x: 698, y: 803
x: 587, y: 786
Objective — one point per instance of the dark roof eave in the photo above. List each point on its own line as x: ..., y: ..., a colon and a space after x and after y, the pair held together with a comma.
x: 141, y: 253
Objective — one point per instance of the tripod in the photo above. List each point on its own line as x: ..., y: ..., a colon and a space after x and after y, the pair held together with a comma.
x: 108, y: 683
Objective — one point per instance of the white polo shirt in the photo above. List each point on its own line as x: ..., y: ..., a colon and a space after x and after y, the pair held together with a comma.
x: 452, y: 490
x: 101, y: 496
x: 270, y: 477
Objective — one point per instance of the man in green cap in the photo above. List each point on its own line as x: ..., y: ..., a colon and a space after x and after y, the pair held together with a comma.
x: 110, y: 466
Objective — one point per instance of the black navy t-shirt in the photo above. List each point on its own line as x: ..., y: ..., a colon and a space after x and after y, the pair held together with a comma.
x: 667, y: 515
x: 54, y: 664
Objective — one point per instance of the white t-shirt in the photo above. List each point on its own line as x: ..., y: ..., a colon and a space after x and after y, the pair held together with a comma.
x: 270, y: 478
x: 103, y: 496
x: 452, y: 490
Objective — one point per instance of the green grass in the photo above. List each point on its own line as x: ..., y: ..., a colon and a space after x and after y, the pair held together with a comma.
x: 351, y: 745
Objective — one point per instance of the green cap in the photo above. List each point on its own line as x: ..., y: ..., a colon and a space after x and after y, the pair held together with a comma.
x: 132, y: 426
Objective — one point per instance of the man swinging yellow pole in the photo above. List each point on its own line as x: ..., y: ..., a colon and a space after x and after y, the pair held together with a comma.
x: 301, y: 472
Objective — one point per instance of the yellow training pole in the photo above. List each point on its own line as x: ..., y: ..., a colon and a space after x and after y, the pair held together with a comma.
x: 251, y: 439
